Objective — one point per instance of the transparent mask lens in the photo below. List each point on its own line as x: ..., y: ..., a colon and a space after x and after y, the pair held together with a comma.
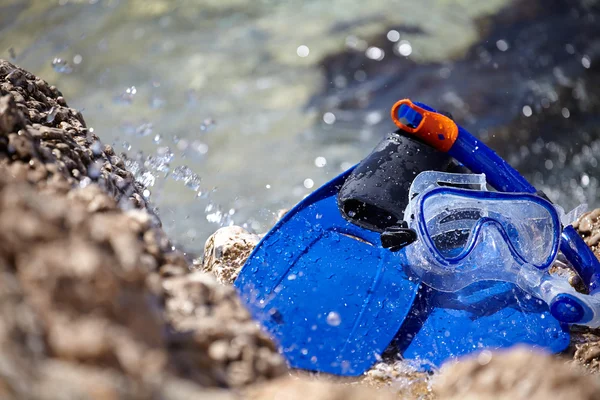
x: 454, y: 219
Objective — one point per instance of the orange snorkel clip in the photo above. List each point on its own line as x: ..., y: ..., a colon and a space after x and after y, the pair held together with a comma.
x: 433, y: 128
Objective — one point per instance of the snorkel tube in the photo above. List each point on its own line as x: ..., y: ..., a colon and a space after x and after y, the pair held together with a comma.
x: 445, y: 135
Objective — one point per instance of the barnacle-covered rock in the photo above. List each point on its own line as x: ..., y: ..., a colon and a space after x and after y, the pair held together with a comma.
x: 226, y: 251
x: 94, y: 301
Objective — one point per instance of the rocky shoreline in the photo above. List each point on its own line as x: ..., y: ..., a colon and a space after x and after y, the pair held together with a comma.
x: 96, y: 303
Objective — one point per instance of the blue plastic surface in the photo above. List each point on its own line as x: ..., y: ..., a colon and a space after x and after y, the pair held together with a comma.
x: 409, y: 117
x: 324, y: 289
x: 568, y: 309
x: 485, y: 315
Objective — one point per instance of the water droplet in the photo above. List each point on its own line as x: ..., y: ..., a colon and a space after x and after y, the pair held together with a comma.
x: 585, y: 180
x: 320, y: 162
x: 94, y: 170
x: 85, y: 182
x: 484, y: 357
x: 160, y: 162
x: 570, y: 48
x: 291, y: 277
x: 303, y: 51
x: 527, y: 111
x: 127, y: 96
x: 393, y: 35
x: 182, y: 144
x: 61, y: 66
x: 207, y: 124
x: 147, y: 179
x: 96, y: 148
x: 309, y: 183
x: 77, y: 59
x: 375, y: 53
x: 51, y: 114
x: 404, y: 48
x: 328, y: 118
x: 304, y: 351
x: 373, y: 118
x: 199, y: 147
x: 144, y: 129
x: 502, y: 45
x: 189, y: 178
x: 334, y: 319
x: 586, y: 62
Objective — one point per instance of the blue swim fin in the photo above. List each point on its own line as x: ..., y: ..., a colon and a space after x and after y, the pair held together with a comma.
x: 485, y: 315
x: 325, y: 289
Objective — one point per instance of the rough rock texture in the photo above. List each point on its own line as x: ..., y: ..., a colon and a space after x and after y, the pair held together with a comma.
x: 46, y: 143
x: 400, y: 378
x: 301, y: 388
x: 588, y: 226
x: 94, y: 303
x: 216, y: 334
x: 521, y: 373
x: 586, y: 342
x: 226, y: 250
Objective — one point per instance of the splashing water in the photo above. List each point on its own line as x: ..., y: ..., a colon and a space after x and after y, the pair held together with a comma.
x: 61, y: 66
x: 264, y: 114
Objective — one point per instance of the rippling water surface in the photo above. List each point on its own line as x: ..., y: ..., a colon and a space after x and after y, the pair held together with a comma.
x: 232, y: 109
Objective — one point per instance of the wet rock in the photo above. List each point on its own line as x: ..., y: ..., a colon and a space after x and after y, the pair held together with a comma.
x: 520, y: 373
x: 588, y: 227
x: 70, y: 294
x: 55, y: 152
x: 300, y: 388
x: 587, y: 350
x: 400, y: 377
x: 94, y: 300
x: 226, y: 251
x: 216, y: 334
x: 59, y: 380
x: 10, y: 117
x: 585, y: 342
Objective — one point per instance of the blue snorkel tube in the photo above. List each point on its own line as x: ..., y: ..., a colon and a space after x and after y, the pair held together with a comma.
x: 445, y: 135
